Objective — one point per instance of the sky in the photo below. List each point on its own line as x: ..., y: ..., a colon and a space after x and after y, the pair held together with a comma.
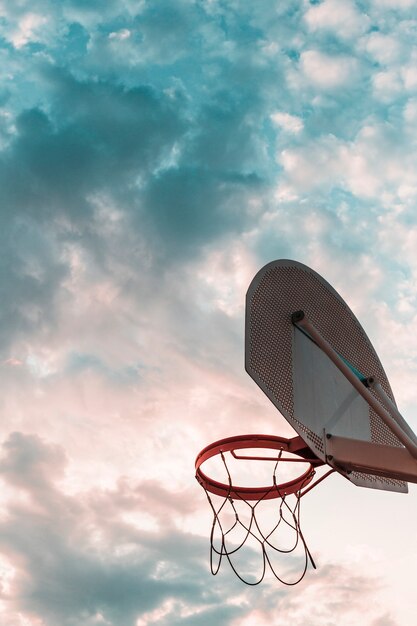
x: 155, y: 154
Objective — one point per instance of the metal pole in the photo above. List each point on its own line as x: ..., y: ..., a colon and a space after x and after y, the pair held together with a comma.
x: 385, y: 399
x: 299, y: 319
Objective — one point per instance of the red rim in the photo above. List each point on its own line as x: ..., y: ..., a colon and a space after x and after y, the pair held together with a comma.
x: 240, y: 442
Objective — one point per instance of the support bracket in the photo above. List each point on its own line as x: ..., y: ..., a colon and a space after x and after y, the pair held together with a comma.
x: 351, y: 455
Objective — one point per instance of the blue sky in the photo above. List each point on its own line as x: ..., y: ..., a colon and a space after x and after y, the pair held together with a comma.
x: 154, y: 155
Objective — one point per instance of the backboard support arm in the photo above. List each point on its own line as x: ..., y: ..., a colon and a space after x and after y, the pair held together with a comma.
x: 354, y: 455
x: 396, y: 423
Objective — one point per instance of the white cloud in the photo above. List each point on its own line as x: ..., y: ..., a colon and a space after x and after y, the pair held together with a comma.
x: 124, y: 33
x: 345, y: 598
x: 325, y: 71
x: 385, y: 49
x: 223, y: 277
x: 409, y: 75
x: 387, y: 85
x: 28, y: 29
x: 410, y: 111
x: 289, y: 123
x: 313, y: 165
x: 375, y: 164
x: 394, y: 4
x: 396, y: 78
x: 339, y: 16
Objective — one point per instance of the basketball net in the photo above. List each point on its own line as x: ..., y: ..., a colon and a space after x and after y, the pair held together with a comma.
x: 253, y: 528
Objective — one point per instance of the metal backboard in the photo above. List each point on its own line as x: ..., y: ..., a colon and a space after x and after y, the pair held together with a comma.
x: 300, y: 380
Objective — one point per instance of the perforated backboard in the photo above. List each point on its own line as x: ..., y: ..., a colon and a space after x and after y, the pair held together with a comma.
x: 300, y: 380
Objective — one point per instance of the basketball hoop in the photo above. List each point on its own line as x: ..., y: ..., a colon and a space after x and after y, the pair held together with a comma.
x: 308, y: 353
x: 237, y: 509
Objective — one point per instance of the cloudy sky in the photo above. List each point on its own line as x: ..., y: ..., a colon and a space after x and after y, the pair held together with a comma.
x: 154, y: 155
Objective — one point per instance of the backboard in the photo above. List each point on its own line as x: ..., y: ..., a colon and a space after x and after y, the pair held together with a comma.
x: 295, y: 374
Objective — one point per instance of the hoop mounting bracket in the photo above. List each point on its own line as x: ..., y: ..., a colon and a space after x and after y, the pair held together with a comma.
x: 371, y: 458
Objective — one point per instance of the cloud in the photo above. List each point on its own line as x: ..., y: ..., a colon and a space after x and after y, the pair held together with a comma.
x: 374, y: 163
x: 75, y: 559
x: 28, y: 459
x: 325, y: 71
x: 345, y: 605
x: 192, y: 207
x: 28, y: 29
x: 86, y: 558
x: 176, y: 183
x: 104, y: 133
x: 340, y: 17
x: 289, y: 123
x: 52, y: 171
x: 387, y: 85
x: 386, y: 49
x: 153, y: 157
x: 396, y: 4
x: 31, y: 274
